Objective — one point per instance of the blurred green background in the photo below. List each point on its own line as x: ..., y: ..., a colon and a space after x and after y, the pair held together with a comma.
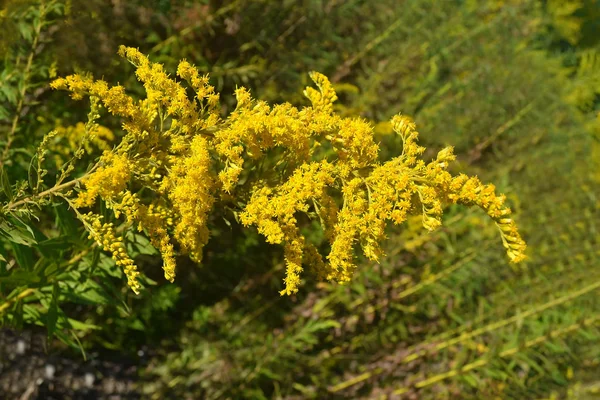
x: 514, y: 85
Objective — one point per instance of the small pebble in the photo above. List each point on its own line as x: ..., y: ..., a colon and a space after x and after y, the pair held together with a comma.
x: 20, y: 346
x: 50, y: 370
x: 89, y: 379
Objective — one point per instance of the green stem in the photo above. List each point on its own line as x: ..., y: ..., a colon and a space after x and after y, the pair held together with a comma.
x: 20, y: 296
x: 49, y: 192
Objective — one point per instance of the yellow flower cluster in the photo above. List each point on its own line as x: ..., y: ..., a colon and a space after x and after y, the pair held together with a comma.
x: 180, y: 163
x: 155, y: 219
x: 110, y: 179
x: 372, y: 194
x: 273, y: 211
x: 105, y: 236
x: 322, y: 99
x: 255, y: 128
x: 470, y: 191
x: 68, y: 139
x: 190, y: 186
x: 163, y: 151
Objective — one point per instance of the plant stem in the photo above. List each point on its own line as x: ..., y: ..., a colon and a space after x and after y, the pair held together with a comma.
x: 20, y: 296
x: 45, y: 193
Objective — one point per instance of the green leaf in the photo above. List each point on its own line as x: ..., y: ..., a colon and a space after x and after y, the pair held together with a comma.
x: 139, y: 244
x: 32, y: 173
x: 24, y: 256
x: 72, y: 342
x: 52, y: 315
x: 471, y: 380
x: 81, y: 326
x: 33, y: 313
x: 90, y: 293
x: 272, y: 375
x: 9, y: 93
x: 18, y: 315
x: 36, y: 234
x: 26, y: 30
x: 51, y: 248
x: 79, y: 345
x: 15, y: 234
x: 65, y: 220
x: 20, y: 277
x: 301, y: 388
x: 137, y: 325
x: 45, y: 268
x: 5, y: 183
x: 4, y: 114
x: 107, y: 265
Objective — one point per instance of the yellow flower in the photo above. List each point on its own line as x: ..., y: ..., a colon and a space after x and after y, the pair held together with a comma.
x: 190, y: 189
x: 107, y: 181
x: 322, y: 100
x: 104, y: 235
x: 273, y: 213
x: 75, y: 136
x: 350, y: 224
x: 272, y: 166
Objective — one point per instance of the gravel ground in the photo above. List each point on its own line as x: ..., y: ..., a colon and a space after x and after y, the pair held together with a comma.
x: 27, y: 372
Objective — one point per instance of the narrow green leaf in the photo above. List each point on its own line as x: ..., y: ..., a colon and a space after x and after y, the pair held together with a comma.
x: 94, y: 260
x: 90, y: 293
x: 45, y: 268
x: 71, y: 341
x: 32, y: 173
x: 24, y: 256
x: 79, y: 345
x: 32, y: 228
x: 81, y: 326
x: 52, y: 315
x: 107, y: 265
x: 139, y: 244
x: 18, y: 315
x: 51, y: 248
x: 4, y: 114
x: 65, y: 220
x: 471, y: 380
x: 5, y: 183
x: 20, y: 277
x: 9, y: 94
x: 137, y: 325
x: 15, y: 234
x: 33, y: 313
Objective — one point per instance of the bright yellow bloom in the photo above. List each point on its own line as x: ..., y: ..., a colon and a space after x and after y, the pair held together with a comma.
x: 190, y: 189
x: 354, y: 144
x: 255, y: 128
x: 104, y: 235
x: 107, y: 181
x: 271, y: 166
x: 349, y: 227
x: 273, y: 212
x: 322, y: 100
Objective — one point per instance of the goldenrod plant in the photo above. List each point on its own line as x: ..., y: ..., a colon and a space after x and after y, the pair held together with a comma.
x: 228, y: 191
x: 179, y: 159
